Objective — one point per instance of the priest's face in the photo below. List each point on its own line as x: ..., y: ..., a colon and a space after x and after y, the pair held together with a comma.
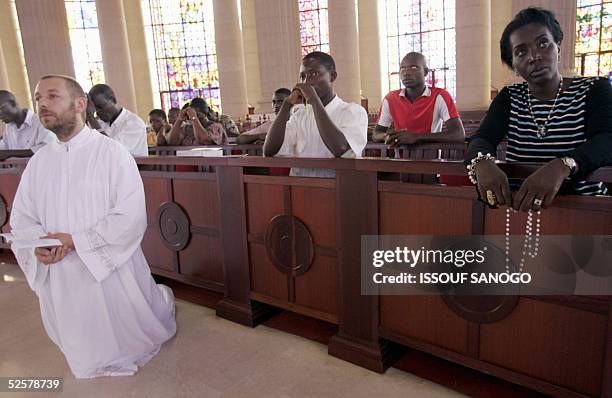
x: 58, y: 109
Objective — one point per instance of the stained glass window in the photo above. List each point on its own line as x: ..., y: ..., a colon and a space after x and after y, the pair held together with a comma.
x: 85, y: 42
x: 424, y: 26
x: 594, y: 38
x: 182, y: 51
x: 314, y: 28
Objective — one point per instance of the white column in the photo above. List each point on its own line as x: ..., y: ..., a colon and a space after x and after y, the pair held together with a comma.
x: 344, y: 47
x: 230, y: 58
x: 251, y: 58
x: 278, y: 38
x: 115, y: 52
x: 13, y: 59
x: 565, y: 11
x: 4, y: 79
x: 369, y: 53
x: 45, y: 37
x: 141, y: 70
x: 473, y: 32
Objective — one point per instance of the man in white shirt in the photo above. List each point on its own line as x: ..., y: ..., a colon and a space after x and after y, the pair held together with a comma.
x: 98, y: 300
x: 326, y: 127
x: 23, y: 129
x: 119, y: 123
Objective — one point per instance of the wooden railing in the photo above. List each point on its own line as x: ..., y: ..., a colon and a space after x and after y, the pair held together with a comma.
x: 269, y: 242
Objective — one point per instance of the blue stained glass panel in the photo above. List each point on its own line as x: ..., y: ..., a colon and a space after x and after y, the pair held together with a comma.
x: 85, y: 42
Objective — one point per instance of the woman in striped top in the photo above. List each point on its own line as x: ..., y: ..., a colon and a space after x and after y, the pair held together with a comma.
x: 565, y: 123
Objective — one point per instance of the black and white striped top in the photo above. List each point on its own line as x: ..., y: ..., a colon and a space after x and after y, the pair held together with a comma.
x: 570, y: 125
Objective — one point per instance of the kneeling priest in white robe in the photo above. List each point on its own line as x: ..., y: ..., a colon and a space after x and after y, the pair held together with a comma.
x: 98, y: 300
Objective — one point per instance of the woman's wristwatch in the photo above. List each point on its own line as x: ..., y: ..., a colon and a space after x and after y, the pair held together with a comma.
x: 571, y: 164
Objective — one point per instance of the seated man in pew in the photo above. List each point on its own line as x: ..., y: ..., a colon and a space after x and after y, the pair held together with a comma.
x: 417, y: 111
x: 23, y: 130
x: 326, y: 127
x: 258, y: 134
x: 117, y: 122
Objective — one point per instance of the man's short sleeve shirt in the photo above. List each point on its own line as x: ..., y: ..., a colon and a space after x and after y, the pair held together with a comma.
x: 426, y: 114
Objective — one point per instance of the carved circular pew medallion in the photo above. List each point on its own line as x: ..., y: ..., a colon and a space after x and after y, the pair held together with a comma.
x: 480, y: 308
x: 173, y: 225
x: 289, y: 245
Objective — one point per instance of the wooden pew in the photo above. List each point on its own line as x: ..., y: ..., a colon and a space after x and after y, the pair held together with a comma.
x: 271, y: 242
x: 10, y: 174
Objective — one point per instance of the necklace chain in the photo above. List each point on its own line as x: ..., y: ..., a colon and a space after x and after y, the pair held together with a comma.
x: 531, y: 244
x: 543, y: 129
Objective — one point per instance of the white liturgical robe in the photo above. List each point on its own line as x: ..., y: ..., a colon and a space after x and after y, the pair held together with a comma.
x: 99, y: 304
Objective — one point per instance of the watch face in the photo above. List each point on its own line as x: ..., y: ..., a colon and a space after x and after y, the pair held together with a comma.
x: 569, y: 162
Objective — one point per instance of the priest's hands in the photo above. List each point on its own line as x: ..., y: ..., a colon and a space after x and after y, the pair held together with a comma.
x: 53, y: 255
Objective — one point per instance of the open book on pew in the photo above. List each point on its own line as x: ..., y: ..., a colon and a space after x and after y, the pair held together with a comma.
x: 17, y: 243
x: 205, y: 152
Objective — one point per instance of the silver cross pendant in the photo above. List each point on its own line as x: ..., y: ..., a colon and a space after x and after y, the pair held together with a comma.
x: 541, y: 131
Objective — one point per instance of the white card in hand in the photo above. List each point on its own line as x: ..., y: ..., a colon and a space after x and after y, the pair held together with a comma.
x: 30, y: 243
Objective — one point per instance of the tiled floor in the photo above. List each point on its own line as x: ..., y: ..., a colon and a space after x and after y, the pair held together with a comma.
x: 209, y: 357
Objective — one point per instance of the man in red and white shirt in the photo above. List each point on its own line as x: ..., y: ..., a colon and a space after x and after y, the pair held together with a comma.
x: 417, y: 111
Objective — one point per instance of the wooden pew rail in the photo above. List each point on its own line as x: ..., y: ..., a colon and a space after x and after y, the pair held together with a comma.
x: 269, y: 242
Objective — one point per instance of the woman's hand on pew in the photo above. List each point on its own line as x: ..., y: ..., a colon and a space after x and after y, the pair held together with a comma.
x: 491, y: 178
x: 540, y: 188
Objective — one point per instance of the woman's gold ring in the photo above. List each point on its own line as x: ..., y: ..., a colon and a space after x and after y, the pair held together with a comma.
x: 491, y: 199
